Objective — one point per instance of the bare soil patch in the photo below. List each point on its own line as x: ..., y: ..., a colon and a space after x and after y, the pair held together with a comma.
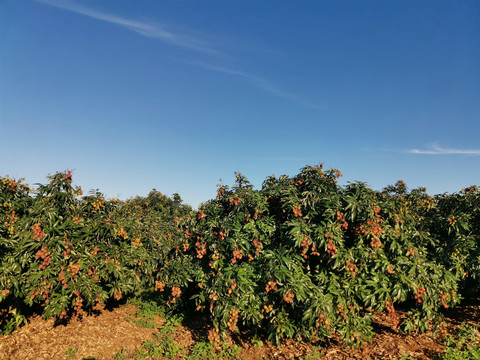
x: 104, y: 335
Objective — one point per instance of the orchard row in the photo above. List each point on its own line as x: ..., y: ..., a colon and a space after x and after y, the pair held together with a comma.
x: 300, y: 258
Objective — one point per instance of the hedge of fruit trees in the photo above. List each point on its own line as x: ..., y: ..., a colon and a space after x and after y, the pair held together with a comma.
x: 302, y: 257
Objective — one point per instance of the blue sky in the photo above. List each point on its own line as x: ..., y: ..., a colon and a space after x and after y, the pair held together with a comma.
x: 174, y: 95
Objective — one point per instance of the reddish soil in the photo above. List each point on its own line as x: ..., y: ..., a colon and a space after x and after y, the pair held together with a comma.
x: 103, y: 335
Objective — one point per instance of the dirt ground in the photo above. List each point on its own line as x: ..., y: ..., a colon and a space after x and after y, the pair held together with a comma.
x: 105, y: 334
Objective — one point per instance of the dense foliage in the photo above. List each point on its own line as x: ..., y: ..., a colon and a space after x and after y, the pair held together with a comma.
x: 301, y: 257
x: 66, y: 252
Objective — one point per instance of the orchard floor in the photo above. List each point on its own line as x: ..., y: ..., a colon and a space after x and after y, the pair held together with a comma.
x: 113, y: 334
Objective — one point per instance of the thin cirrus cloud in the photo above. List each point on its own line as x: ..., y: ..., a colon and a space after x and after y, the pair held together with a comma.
x: 436, y: 149
x: 254, y: 80
x: 177, y: 39
x: 148, y: 30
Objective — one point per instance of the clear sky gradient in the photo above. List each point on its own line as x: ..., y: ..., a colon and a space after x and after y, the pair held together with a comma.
x: 173, y: 95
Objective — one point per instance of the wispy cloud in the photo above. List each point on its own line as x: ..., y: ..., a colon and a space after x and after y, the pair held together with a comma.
x: 180, y: 39
x: 256, y: 81
x: 146, y: 29
x: 435, y: 149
